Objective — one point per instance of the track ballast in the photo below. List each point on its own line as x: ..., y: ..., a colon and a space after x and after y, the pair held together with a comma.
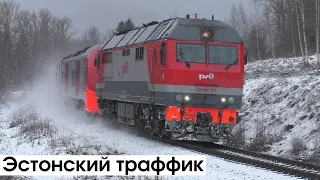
x: 273, y: 163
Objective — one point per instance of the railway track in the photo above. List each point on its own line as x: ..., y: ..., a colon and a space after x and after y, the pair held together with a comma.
x: 273, y: 163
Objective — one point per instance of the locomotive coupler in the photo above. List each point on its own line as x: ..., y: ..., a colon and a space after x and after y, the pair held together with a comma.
x: 203, y: 119
x: 182, y: 113
x: 226, y: 129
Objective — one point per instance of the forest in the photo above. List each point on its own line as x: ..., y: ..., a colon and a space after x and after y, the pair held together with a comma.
x: 278, y: 28
x: 272, y: 29
x: 27, y: 39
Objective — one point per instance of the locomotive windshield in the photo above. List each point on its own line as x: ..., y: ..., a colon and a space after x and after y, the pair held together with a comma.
x: 223, y: 55
x: 194, y: 53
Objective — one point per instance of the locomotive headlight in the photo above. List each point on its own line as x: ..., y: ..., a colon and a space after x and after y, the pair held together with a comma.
x: 187, y: 98
x: 231, y: 100
x: 179, y: 97
x: 223, y: 100
x: 206, y: 34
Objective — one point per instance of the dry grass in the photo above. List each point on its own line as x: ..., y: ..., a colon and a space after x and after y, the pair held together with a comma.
x: 31, y: 127
x: 82, y: 146
x: 117, y: 177
x: 239, y: 137
x: 21, y: 116
x: 37, y: 129
x: 4, y: 144
x: 15, y: 178
x: 298, y: 148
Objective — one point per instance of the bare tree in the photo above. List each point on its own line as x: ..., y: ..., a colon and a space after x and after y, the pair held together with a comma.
x: 291, y: 23
x: 27, y: 38
x: 301, y: 2
x: 257, y: 19
x: 61, y: 32
x: 23, y: 44
x: 240, y: 21
x: 233, y: 17
x: 8, y: 13
x: 298, y: 24
x: 317, y: 29
x: 271, y: 35
x: 35, y: 43
x: 92, y: 36
x: 106, y: 36
x: 45, y: 17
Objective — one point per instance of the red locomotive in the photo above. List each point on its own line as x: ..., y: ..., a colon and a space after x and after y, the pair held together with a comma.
x: 76, y: 78
x: 181, y: 78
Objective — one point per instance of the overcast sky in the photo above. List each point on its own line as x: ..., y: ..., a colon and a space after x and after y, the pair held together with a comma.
x: 105, y: 14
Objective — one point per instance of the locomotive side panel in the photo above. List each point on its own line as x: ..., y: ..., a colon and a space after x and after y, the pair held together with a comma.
x: 100, y: 72
x: 157, y: 71
x: 82, y: 79
x: 77, y: 78
x: 71, y: 79
x: 65, y: 77
x: 130, y: 76
x: 91, y: 104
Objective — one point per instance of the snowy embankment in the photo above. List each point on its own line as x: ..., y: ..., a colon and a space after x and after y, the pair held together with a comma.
x: 39, y: 124
x: 281, y: 108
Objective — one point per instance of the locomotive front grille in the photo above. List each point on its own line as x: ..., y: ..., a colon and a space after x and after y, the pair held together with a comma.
x: 203, y: 119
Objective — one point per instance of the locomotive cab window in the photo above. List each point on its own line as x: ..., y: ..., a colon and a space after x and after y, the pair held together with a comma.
x: 126, y: 52
x: 163, y: 54
x: 192, y: 53
x: 139, y: 53
x: 97, y: 61
x: 109, y: 58
x: 227, y: 55
x: 74, y: 78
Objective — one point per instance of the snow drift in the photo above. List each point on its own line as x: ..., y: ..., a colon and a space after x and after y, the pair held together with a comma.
x: 280, y: 112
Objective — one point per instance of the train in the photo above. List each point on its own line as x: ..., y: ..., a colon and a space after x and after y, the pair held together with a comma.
x: 179, y: 78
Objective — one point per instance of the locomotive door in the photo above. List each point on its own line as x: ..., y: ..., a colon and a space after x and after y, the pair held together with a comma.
x: 58, y: 74
x: 153, y: 72
x: 85, y: 72
x: 66, y: 78
x: 77, y: 63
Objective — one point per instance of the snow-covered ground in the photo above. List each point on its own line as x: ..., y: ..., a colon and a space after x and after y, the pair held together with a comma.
x: 41, y: 124
x: 281, y: 107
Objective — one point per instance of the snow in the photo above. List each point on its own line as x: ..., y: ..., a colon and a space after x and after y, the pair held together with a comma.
x: 278, y: 94
x: 60, y: 129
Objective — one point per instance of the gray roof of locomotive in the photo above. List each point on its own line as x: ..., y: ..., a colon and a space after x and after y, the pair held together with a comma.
x: 83, y: 53
x: 176, y: 28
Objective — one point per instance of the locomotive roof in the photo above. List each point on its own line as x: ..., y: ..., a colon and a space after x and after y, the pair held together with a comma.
x: 81, y: 53
x: 176, y: 28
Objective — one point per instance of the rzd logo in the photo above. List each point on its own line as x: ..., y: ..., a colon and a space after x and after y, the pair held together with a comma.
x: 125, y: 69
x: 209, y: 76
